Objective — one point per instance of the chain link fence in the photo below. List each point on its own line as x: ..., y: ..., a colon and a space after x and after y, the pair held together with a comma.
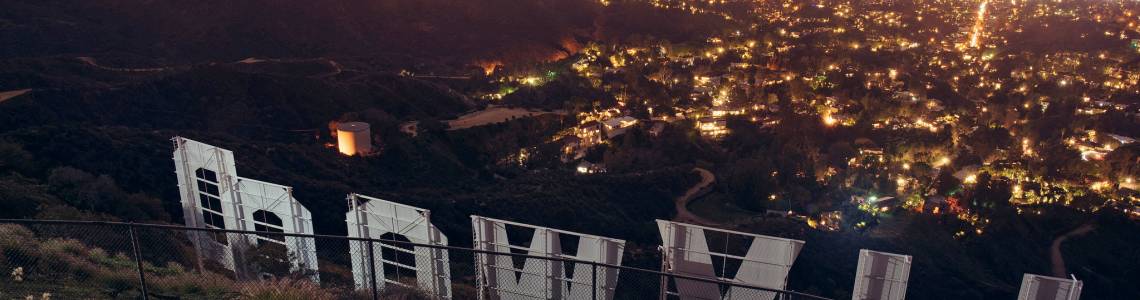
x: 102, y: 260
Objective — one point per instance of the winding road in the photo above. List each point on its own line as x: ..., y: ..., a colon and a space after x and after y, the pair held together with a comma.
x: 682, y: 202
x: 337, y: 68
x: 94, y: 63
x: 1055, y: 250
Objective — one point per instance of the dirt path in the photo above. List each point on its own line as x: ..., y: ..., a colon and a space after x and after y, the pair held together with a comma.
x: 337, y: 68
x: 94, y: 63
x: 1055, y: 250
x: 682, y: 202
x: 493, y: 114
x: 4, y: 96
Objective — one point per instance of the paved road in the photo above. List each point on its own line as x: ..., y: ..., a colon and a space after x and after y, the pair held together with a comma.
x: 682, y: 202
x: 1055, y: 251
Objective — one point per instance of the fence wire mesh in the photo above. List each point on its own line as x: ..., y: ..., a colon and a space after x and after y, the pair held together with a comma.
x: 99, y: 260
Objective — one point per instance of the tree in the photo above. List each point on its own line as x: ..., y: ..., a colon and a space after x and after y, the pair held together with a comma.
x: 838, y: 153
x: 20, y: 197
x: 13, y: 157
x: 990, y: 193
x: 101, y: 194
x: 985, y: 141
x: 946, y: 184
x: 1123, y: 162
x: 1062, y: 162
x: 750, y: 183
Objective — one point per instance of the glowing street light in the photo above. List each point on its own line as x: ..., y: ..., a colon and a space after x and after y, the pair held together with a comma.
x: 829, y: 120
x: 942, y: 162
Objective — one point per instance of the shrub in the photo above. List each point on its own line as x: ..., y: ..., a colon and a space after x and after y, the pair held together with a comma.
x: 69, y: 268
x: 288, y: 289
x: 194, y: 285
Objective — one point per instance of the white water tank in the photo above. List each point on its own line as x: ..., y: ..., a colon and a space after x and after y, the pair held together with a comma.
x: 354, y: 138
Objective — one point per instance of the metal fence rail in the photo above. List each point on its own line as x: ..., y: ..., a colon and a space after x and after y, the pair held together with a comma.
x: 111, y: 260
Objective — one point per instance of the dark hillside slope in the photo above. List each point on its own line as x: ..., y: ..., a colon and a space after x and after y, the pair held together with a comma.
x: 224, y: 100
x: 213, y: 29
x: 180, y: 32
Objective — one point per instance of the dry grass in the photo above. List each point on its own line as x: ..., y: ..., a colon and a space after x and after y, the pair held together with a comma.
x: 68, y: 268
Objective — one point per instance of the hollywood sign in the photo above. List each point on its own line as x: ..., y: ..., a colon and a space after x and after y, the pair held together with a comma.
x: 1037, y: 287
x: 504, y: 277
x: 373, y: 218
x: 688, y: 250
x: 881, y: 275
x: 213, y: 196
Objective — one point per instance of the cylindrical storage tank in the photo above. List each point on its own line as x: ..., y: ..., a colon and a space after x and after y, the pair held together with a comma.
x: 354, y: 138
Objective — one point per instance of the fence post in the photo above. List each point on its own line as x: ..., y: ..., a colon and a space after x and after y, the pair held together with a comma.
x: 138, y: 259
x: 594, y: 282
x: 372, y: 270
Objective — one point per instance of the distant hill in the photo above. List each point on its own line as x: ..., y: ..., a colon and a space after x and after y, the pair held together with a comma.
x: 210, y: 30
x: 220, y: 98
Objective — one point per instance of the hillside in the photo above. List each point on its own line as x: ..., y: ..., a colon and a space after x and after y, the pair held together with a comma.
x: 199, y: 31
x: 796, y: 108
